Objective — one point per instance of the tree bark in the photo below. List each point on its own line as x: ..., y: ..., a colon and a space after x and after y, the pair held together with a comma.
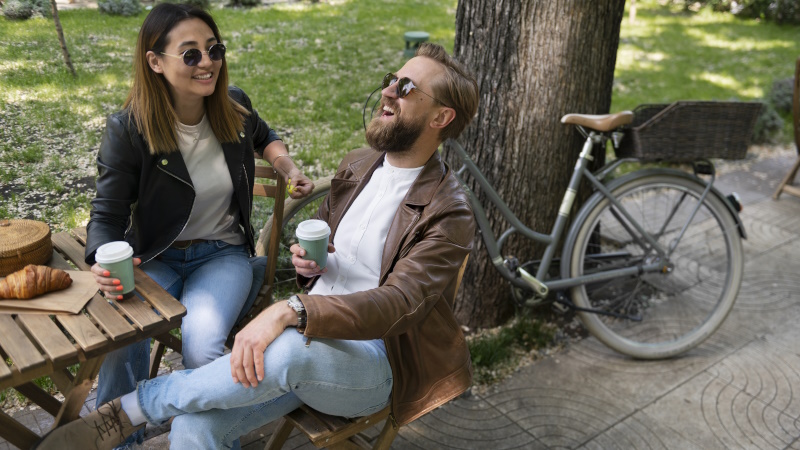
x: 61, y: 39
x: 535, y: 60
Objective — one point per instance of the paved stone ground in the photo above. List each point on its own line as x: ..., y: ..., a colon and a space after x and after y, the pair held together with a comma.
x: 734, y: 391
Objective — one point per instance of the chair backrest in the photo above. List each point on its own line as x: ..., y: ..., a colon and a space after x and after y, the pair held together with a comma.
x: 277, y: 191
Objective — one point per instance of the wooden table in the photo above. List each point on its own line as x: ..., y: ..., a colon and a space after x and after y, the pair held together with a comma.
x: 41, y: 345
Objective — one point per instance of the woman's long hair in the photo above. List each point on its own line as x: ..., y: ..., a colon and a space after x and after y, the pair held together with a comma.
x: 150, y: 102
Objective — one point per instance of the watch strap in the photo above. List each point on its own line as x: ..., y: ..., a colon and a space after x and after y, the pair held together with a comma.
x: 297, y: 305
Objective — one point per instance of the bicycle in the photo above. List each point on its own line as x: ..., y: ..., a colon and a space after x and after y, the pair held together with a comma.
x: 652, y: 262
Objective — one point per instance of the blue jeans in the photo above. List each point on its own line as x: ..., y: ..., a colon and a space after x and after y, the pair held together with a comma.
x: 213, y: 280
x: 347, y: 378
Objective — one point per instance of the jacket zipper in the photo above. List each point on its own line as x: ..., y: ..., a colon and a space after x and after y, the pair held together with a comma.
x: 409, y: 245
x: 249, y: 225
x: 184, y: 223
x: 407, y: 248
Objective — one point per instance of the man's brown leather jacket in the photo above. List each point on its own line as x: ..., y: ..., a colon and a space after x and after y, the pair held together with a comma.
x: 411, y: 310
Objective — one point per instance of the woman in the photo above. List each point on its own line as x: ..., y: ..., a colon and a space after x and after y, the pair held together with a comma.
x: 175, y: 180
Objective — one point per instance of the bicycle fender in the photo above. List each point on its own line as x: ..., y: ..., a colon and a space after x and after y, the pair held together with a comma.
x: 613, y: 184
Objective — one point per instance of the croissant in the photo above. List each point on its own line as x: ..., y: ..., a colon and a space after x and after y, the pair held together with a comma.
x: 32, y: 281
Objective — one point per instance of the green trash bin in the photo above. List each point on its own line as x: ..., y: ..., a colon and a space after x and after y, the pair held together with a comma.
x: 413, y: 39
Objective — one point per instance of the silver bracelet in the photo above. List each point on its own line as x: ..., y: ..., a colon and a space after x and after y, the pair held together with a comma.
x: 277, y: 157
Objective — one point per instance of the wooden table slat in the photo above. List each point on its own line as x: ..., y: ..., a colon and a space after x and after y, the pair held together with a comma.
x: 108, y: 318
x: 58, y: 262
x: 155, y: 294
x: 17, y: 346
x: 48, y: 336
x: 82, y: 330
x: 4, y: 370
x: 140, y: 312
x: 80, y: 234
x: 71, y: 249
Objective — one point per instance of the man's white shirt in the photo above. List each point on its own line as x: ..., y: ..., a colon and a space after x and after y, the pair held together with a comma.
x: 355, y: 265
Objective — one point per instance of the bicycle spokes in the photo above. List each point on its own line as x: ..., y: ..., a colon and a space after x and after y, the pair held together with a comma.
x: 691, y: 288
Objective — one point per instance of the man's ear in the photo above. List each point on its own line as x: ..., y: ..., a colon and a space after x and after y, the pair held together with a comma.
x: 443, y: 117
x: 154, y: 62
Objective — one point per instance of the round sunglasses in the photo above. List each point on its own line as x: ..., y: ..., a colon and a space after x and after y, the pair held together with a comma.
x: 404, y: 87
x: 193, y: 56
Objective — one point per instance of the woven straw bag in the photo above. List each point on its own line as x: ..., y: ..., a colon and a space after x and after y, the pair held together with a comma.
x: 23, y: 242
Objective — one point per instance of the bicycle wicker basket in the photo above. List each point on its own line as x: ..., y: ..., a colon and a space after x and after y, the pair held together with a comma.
x: 23, y: 242
x: 688, y: 130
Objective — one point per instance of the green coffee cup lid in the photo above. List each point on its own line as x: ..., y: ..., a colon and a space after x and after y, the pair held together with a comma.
x: 113, y: 252
x: 313, y: 229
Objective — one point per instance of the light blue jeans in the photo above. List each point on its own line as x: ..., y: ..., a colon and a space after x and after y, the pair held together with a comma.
x: 346, y: 378
x: 214, y: 280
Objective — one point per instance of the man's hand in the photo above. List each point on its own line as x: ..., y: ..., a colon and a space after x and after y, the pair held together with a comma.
x: 306, y: 268
x: 111, y: 287
x: 247, y: 356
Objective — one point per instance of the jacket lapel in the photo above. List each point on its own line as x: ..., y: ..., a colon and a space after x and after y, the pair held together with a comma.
x: 409, y: 212
x: 233, y: 157
x: 173, y: 164
x: 345, y: 190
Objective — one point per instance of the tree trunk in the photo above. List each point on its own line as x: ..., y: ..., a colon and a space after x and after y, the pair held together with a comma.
x: 61, y: 39
x: 535, y: 60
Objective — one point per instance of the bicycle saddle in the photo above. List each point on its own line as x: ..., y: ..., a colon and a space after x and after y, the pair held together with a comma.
x: 602, y: 122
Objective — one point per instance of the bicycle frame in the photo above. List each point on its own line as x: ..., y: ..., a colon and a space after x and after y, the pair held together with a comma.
x: 538, y: 283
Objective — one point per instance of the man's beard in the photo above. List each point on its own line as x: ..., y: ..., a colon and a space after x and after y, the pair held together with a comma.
x: 397, y: 136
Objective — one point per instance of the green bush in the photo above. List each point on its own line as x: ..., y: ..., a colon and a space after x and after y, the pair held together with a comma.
x: 203, y: 4
x: 25, y: 9
x: 780, y: 11
x: 120, y: 7
x: 42, y: 7
x: 781, y: 95
x: 244, y: 3
x: 17, y: 10
x: 769, y: 126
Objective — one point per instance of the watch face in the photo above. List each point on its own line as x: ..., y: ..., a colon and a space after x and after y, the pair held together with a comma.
x: 296, y: 304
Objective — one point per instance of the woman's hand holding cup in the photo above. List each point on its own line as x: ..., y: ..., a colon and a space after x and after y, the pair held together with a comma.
x: 113, y: 270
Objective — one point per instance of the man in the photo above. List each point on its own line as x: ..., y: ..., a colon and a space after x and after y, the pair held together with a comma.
x: 377, y: 325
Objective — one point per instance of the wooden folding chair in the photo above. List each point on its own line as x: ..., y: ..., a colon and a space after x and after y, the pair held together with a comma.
x: 340, y: 433
x: 785, y: 185
x: 264, y: 298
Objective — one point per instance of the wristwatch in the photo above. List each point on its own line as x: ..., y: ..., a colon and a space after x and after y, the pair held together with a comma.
x: 295, y: 303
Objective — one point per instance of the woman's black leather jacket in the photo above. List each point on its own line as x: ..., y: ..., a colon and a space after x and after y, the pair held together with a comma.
x: 147, y: 199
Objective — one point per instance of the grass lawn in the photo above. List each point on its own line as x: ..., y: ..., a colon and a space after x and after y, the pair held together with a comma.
x: 309, y: 69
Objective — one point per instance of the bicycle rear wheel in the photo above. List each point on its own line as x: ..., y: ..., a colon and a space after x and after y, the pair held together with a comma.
x: 678, y: 309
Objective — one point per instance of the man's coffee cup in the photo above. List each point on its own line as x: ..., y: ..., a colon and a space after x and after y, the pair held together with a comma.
x: 117, y: 258
x: 313, y: 236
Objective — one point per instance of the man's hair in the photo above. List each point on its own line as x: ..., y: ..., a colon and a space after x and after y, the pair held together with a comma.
x: 457, y: 89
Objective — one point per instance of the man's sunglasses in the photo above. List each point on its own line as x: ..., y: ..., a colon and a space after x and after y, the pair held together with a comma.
x: 193, y: 56
x: 404, y: 87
